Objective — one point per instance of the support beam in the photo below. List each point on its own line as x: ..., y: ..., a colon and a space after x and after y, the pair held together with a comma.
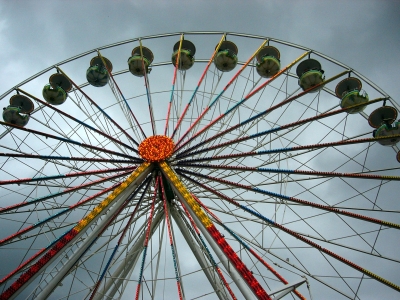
x: 235, y: 276
x: 245, y: 279
x: 143, y: 171
x: 286, y: 289
x: 183, y: 194
x: 127, y: 265
x: 198, y: 253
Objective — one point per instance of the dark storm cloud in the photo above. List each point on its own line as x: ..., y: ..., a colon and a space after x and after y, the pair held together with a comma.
x: 361, y: 34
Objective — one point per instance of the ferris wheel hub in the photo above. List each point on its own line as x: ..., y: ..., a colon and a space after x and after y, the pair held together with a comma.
x: 156, y: 148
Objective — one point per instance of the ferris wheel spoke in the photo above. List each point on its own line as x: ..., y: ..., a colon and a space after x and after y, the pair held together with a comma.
x: 132, y: 251
x: 233, y: 108
x: 290, y: 149
x: 176, y: 104
x: 344, y: 246
x: 215, y: 235
x: 217, y: 287
x: 147, y: 85
x: 103, y: 248
x: 98, y: 107
x: 309, y: 242
x: 277, y: 159
x: 330, y: 241
x: 159, y: 252
x: 176, y: 66
x: 24, y: 264
x: 361, y: 237
x: 247, y: 247
x: 342, y: 277
x: 115, y: 199
x: 119, y: 93
x: 201, y: 116
x: 120, y: 219
x: 66, y: 191
x: 57, y: 215
x: 171, y: 241
x: 28, y: 144
x: 189, y: 152
x: 108, y: 224
x: 309, y: 189
x: 54, y: 148
x: 70, y: 158
x: 197, y: 87
x: 297, y: 171
x: 18, y: 151
x: 77, y: 121
x: 98, y: 119
x: 127, y: 264
x: 68, y: 140
x: 283, y: 197
x: 139, y: 202
x: 351, y: 186
x: 262, y: 114
x: 341, y: 245
x: 320, y: 236
x: 73, y: 174
x: 305, y: 272
x: 146, y: 241
x: 208, y: 270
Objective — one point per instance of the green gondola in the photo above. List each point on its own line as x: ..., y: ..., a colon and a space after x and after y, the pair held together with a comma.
x: 137, y: 65
x: 268, y: 63
x: 54, y: 96
x: 12, y: 115
x: 310, y: 74
x: 226, y: 58
x: 350, y: 93
x: 186, y: 57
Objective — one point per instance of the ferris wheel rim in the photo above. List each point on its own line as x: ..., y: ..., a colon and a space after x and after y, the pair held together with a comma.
x: 224, y: 124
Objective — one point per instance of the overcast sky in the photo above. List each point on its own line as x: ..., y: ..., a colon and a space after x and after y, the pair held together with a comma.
x: 360, y: 33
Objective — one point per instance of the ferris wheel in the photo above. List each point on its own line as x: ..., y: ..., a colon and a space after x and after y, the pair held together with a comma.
x: 199, y: 165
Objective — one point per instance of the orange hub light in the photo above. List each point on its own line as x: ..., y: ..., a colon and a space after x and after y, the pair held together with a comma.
x: 156, y: 148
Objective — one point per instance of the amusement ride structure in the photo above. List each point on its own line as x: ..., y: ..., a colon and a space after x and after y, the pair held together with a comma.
x: 266, y: 170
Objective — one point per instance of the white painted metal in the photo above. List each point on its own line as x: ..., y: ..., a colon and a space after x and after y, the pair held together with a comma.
x: 63, y: 271
x: 176, y: 251
x: 286, y: 289
x: 128, y: 263
x: 236, y: 277
x: 198, y: 253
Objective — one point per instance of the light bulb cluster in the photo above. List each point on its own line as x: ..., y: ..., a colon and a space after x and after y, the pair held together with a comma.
x: 156, y: 148
x: 204, y: 219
